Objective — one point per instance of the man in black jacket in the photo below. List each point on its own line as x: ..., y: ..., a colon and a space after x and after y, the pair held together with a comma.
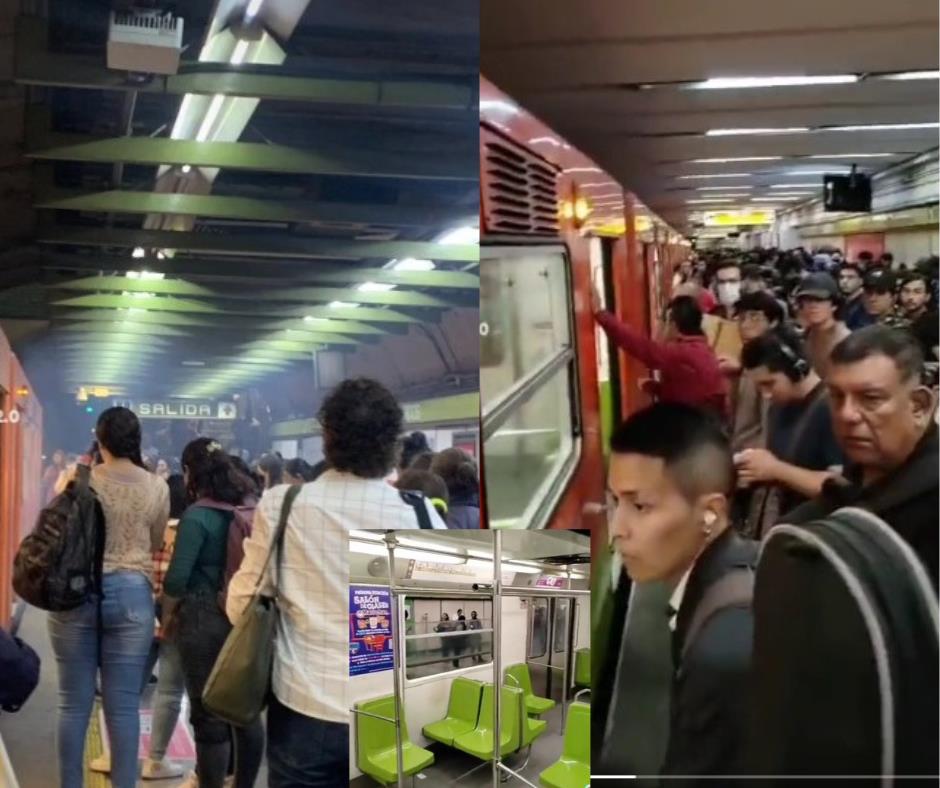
x: 672, y: 475
x: 883, y: 418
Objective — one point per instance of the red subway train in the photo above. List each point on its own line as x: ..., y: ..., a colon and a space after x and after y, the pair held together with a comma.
x: 554, y: 225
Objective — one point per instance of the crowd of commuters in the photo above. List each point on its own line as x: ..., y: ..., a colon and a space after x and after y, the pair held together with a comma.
x: 169, y: 557
x: 829, y: 373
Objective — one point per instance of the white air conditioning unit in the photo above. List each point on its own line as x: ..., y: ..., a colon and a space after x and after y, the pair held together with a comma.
x: 145, y: 41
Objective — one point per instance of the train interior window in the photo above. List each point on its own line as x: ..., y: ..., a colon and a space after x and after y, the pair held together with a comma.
x: 526, y: 380
x: 442, y: 635
x: 538, y: 628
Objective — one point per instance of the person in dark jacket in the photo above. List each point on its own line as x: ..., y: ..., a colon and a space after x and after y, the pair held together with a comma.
x: 671, y: 477
x: 883, y: 420
x: 459, y: 472
x: 688, y: 367
x: 853, y: 308
x: 19, y: 671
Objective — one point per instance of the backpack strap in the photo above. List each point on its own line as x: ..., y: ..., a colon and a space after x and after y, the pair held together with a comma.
x: 416, y: 501
x: 735, y: 589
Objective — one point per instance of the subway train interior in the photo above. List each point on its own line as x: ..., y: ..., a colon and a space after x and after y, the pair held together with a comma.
x: 460, y: 628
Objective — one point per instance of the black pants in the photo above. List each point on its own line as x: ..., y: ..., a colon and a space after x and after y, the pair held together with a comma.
x: 203, y: 628
x: 304, y: 752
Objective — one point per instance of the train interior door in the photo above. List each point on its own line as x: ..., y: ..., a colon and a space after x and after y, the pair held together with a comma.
x: 608, y: 359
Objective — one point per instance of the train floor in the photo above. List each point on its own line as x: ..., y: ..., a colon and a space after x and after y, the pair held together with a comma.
x: 29, y: 734
x: 449, y: 764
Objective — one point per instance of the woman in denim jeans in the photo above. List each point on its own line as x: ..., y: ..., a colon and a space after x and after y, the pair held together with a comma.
x: 198, y: 623
x: 136, y: 507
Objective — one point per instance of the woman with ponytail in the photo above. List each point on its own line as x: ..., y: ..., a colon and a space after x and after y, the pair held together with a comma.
x: 193, y: 581
x: 459, y: 472
x: 136, y: 506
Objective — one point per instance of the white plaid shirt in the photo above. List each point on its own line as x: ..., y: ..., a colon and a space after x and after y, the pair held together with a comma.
x: 312, y: 652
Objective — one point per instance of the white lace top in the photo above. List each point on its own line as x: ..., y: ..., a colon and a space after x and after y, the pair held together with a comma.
x: 136, y: 506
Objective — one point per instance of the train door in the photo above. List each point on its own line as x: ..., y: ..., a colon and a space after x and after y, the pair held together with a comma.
x: 549, y: 645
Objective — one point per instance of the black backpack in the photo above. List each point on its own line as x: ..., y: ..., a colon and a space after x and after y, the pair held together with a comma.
x: 58, y: 566
x: 844, y: 668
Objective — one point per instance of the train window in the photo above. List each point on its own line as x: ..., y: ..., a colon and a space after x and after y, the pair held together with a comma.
x: 561, y: 625
x: 538, y: 628
x: 527, y: 387
x: 442, y: 635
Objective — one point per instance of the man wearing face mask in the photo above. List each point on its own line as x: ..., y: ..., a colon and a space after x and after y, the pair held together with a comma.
x: 722, y: 329
x: 671, y: 477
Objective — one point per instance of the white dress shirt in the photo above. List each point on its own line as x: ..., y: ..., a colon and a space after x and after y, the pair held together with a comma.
x: 675, y: 601
x: 312, y: 648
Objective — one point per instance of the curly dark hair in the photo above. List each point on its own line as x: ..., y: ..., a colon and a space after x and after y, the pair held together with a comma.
x: 361, y: 424
x: 432, y: 485
x: 212, y: 473
x: 411, y: 446
x: 118, y: 431
x: 458, y: 470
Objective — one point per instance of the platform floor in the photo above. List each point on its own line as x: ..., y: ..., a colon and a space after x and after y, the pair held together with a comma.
x: 29, y: 735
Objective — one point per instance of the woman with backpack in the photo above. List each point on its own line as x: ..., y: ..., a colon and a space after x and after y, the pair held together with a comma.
x: 221, y: 501
x: 116, y: 630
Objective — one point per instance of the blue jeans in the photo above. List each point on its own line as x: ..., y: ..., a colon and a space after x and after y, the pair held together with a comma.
x: 168, y: 695
x: 127, y: 632
x: 304, y: 752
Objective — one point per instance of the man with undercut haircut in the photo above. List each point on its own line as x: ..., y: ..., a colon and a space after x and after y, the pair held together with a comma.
x: 671, y: 477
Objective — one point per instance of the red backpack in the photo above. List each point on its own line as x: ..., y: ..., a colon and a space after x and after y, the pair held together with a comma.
x: 239, y: 529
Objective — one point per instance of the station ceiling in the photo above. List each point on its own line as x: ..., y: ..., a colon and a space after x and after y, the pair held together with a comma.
x: 622, y: 82
x: 307, y: 180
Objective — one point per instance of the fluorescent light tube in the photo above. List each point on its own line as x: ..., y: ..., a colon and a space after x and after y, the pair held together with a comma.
x: 730, y: 83
x: 736, y: 132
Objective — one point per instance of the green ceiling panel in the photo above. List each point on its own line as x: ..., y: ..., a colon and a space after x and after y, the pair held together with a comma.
x: 121, y: 283
x: 265, y: 245
x: 124, y: 328
x: 335, y: 321
x: 167, y: 303
x: 213, y: 206
x: 159, y: 151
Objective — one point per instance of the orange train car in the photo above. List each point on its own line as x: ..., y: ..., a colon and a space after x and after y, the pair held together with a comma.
x: 20, y: 466
x: 554, y: 226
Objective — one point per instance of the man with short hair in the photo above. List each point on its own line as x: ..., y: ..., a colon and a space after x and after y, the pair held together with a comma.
x: 801, y: 452
x: 671, y: 477
x: 817, y: 297
x: 883, y: 420
x: 850, y: 285
x: 880, y: 300
x: 688, y: 368
x: 915, y: 295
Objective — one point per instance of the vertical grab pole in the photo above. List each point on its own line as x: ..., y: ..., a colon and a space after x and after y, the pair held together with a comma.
x: 497, y: 651
x: 391, y: 543
x: 569, y: 640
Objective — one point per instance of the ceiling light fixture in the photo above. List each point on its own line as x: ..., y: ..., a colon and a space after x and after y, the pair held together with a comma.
x: 730, y: 83
x: 854, y: 155
x: 907, y: 75
x: 712, y: 200
x: 412, y: 264
x: 715, y: 175
x: 342, y: 305
x: 736, y: 159
x: 794, y: 186
x: 882, y: 127
x: 721, y: 188
x: 213, y: 112
x: 138, y: 252
x: 461, y: 235
x: 776, y: 198
x: 241, y: 49
x: 253, y: 8
x: 375, y: 287
x: 186, y: 169
x: 738, y: 132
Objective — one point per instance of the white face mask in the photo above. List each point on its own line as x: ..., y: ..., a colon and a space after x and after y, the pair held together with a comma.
x: 729, y: 293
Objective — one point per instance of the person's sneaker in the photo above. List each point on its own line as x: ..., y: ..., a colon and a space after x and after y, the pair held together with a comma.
x: 160, y: 770
x: 191, y: 781
x: 101, y: 764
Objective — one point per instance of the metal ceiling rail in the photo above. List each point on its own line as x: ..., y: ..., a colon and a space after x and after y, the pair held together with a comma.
x: 355, y: 162
x: 213, y: 206
x: 257, y: 245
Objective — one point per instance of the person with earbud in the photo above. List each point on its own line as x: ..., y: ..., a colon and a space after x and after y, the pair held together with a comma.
x: 671, y: 478
x: 802, y: 452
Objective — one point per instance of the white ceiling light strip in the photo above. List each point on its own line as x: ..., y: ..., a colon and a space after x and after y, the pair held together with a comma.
x: 733, y: 83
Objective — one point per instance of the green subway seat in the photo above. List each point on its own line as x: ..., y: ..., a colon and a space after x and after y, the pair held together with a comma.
x: 520, y: 677
x: 463, y: 711
x: 375, y: 743
x: 573, y: 769
x: 479, y: 741
x: 532, y: 729
x: 582, y: 667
